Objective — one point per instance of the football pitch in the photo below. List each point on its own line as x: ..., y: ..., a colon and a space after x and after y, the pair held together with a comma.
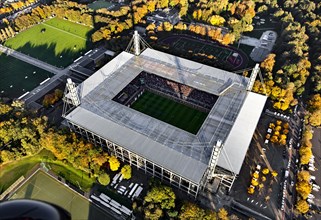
x: 58, y: 42
x: 43, y: 187
x: 169, y: 111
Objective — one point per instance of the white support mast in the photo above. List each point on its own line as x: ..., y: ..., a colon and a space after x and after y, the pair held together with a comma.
x: 254, y: 73
x: 137, y: 44
x: 72, y: 92
x: 214, y: 158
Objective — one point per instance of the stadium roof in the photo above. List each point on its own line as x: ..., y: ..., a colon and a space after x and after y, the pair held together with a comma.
x: 170, y: 147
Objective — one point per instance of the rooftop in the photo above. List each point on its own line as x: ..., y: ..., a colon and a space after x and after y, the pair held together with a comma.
x: 170, y: 147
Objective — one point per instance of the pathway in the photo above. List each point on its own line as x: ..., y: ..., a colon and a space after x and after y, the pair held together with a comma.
x: 30, y: 60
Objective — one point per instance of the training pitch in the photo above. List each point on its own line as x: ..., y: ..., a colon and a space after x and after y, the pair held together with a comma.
x: 56, y: 41
x: 169, y: 111
x: 43, y: 187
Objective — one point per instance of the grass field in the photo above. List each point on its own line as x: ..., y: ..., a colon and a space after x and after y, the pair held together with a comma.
x: 100, y: 4
x: 184, y: 43
x: 171, y: 112
x: 10, y: 172
x: 18, y: 77
x: 56, y: 41
x: 43, y: 187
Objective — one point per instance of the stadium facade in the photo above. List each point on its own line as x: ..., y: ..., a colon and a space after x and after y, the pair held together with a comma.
x: 188, y: 161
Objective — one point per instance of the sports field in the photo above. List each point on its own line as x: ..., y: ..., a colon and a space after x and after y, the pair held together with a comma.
x: 56, y: 41
x: 100, y: 4
x: 17, y: 77
x: 231, y: 58
x: 43, y: 187
x: 169, y: 111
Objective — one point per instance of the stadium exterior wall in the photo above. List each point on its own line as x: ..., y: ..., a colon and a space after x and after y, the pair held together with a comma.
x: 140, y: 162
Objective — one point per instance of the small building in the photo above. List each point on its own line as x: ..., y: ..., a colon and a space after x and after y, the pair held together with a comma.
x: 170, y: 15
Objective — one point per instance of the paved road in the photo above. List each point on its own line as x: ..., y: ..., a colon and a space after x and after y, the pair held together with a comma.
x: 30, y: 60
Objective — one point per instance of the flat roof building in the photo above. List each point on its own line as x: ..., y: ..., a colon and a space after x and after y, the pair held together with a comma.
x: 187, y: 161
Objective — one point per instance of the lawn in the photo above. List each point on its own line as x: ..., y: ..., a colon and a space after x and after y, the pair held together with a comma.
x: 18, y: 77
x: 100, y: 4
x: 44, y: 187
x: 56, y: 41
x: 12, y: 171
x: 171, y: 112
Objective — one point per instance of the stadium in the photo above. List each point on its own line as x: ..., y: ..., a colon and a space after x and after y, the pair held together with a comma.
x: 181, y: 121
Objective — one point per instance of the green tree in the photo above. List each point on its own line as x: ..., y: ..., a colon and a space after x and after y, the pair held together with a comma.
x: 162, y: 195
x: 104, y: 179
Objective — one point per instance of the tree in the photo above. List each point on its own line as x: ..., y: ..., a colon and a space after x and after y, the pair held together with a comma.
x: 104, y: 179
x: 126, y: 171
x: 162, y: 195
x: 265, y: 171
x: 114, y: 163
x: 304, y: 189
x: 216, y: 20
x: 268, y: 64
x: 222, y: 214
x: 303, y: 176
x: 191, y: 211
x: 302, y: 206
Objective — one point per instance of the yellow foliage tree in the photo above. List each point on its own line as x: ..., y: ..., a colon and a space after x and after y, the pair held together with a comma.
x: 250, y: 190
x: 302, y: 206
x: 304, y: 176
x: 303, y: 188
x: 114, y: 163
x: 265, y: 171
x: 268, y: 64
x: 126, y: 171
x: 216, y: 20
x: 274, y: 173
x: 222, y: 214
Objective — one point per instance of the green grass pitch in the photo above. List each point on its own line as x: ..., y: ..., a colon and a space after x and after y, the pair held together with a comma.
x: 169, y: 111
x: 56, y: 41
x: 43, y: 187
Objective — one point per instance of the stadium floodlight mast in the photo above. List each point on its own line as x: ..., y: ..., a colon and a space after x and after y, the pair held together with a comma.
x: 137, y: 44
x: 73, y: 92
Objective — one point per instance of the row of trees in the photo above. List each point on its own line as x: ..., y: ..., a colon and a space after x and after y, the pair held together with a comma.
x: 160, y: 201
x: 237, y: 14
x: 6, y: 33
x: 14, y: 6
x: 304, y: 186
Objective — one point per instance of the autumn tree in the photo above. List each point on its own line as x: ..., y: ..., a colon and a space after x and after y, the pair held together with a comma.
x: 268, y: 64
x: 304, y: 176
x: 104, y: 179
x: 302, y: 206
x: 114, y: 163
x: 222, y: 214
x: 304, y: 189
x: 126, y: 171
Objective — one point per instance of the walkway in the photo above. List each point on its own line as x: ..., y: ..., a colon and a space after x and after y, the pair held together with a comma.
x: 30, y: 60
x: 250, y: 41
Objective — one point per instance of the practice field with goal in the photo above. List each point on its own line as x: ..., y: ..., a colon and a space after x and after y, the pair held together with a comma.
x: 232, y: 58
x: 18, y: 77
x: 58, y: 42
x: 169, y: 111
x: 101, y: 4
x: 43, y: 187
